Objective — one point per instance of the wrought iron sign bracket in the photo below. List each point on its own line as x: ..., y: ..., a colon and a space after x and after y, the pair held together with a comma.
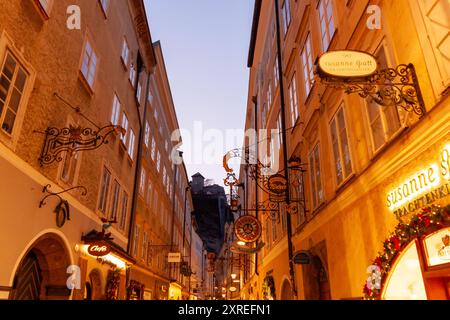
x: 62, y: 210
x: 397, y: 86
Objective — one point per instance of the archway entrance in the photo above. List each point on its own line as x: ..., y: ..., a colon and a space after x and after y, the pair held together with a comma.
x: 317, y: 285
x: 94, y: 286
x: 286, y: 290
x: 41, y: 275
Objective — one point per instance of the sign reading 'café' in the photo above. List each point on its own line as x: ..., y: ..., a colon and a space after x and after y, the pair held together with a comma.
x: 423, y: 188
x: 99, y: 249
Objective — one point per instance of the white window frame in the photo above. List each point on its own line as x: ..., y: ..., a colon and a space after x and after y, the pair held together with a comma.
x: 287, y: 17
x: 307, y: 66
x: 293, y: 100
x: 89, y: 61
x: 125, y: 124
x: 142, y: 182
x: 115, y: 112
x: 131, y: 144
x: 147, y: 134
x: 115, y: 200
x: 125, y: 53
x: 317, y: 200
x: 339, y: 131
x: 327, y: 23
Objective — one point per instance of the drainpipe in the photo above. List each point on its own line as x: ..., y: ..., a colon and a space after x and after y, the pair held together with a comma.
x: 285, y: 155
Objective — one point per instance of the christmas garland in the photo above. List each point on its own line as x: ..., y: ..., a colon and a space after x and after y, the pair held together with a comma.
x: 427, y: 221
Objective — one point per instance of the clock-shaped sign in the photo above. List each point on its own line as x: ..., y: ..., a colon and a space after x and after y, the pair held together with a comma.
x: 247, y: 228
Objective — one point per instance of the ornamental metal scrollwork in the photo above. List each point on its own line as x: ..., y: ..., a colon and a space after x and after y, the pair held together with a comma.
x: 73, y: 139
x: 387, y: 87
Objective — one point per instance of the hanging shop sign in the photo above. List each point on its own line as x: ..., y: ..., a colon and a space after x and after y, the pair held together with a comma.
x: 347, y: 64
x: 302, y: 257
x: 99, y: 249
x: 174, y: 257
x: 247, y: 228
x: 277, y: 185
x: 423, y: 188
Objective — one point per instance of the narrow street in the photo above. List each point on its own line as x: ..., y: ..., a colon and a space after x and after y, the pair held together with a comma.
x: 238, y: 150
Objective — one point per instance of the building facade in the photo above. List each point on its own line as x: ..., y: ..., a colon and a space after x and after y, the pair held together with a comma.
x: 373, y: 176
x: 66, y: 193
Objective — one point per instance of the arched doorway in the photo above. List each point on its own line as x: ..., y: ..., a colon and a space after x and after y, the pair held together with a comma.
x: 286, y: 290
x: 317, y: 285
x: 94, y: 285
x: 41, y: 274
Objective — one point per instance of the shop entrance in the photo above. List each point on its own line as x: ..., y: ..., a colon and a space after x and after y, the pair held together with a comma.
x: 41, y: 275
x: 422, y: 271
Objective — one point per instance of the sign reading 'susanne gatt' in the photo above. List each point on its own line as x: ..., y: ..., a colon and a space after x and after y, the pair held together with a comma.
x: 347, y: 64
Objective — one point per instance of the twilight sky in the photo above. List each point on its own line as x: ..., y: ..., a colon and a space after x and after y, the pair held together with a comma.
x: 205, y: 46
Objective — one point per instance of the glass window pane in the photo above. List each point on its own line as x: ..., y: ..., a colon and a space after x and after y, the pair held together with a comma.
x: 20, y: 80
x: 10, y: 66
x: 8, y: 123
x: 4, y: 87
x: 15, y: 100
x: 377, y: 133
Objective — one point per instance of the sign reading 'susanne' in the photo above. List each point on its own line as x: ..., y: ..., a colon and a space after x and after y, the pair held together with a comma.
x: 347, y: 64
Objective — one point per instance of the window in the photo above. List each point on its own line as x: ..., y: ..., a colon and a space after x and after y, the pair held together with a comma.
x: 136, y: 240
x: 89, y: 64
x: 327, y: 27
x: 153, y: 151
x: 269, y: 95
x: 275, y: 72
x: 384, y: 121
x: 264, y: 116
x: 164, y: 176
x: 144, y: 245
x: 434, y: 34
x: 125, y: 53
x: 104, y: 4
x: 123, y: 137
x: 12, y: 85
x: 139, y: 92
x: 274, y: 231
x: 341, y: 150
x: 147, y: 134
x: 142, y: 182
x: 316, y: 178
x: 268, y: 234
x: 158, y: 161
x: 307, y: 64
x: 45, y: 6
x: 133, y: 75
x: 156, y: 114
x: 293, y: 101
x: 286, y: 10
x: 115, y: 201
x: 115, y: 114
x: 279, y: 130
x: 123, y: 211
x: 131, y: 144
x: 149, y: 193
x: 104, y: 190
x: 69, y: 167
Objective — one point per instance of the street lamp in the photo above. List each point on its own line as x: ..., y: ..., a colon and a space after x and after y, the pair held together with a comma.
x: 233, y: 276
x: 241, y: 243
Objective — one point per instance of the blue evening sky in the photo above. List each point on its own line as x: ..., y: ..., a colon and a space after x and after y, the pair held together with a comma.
x: 205, y: 45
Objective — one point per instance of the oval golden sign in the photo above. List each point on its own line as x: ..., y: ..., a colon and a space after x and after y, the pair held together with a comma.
x: 347, y: 64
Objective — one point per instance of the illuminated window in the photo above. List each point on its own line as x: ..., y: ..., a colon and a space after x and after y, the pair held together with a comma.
x: 293, y: 101
x: 327, y: 26
x: 133, y: 75
x: 341, y: 150
x: 136, y: 240
x: 307, y: 65
x: 316, y: 176
x: 275, y: 72
x: 89, y: 65
x: 115, y: 114
x: 158, y: 162
x: 153, y: 150
x: 104, y: 190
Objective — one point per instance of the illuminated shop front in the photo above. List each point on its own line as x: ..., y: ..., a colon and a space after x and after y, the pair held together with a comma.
x: 175, y: 291
x: 415, y: 261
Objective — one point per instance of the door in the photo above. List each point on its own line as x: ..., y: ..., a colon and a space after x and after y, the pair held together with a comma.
x: 29, y: 279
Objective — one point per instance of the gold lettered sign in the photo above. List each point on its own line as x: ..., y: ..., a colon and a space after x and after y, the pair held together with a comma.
x: 347, y: 64
x: 99, y: 249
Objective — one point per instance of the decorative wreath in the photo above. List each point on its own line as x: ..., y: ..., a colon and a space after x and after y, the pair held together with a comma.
x: 429, y: 220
